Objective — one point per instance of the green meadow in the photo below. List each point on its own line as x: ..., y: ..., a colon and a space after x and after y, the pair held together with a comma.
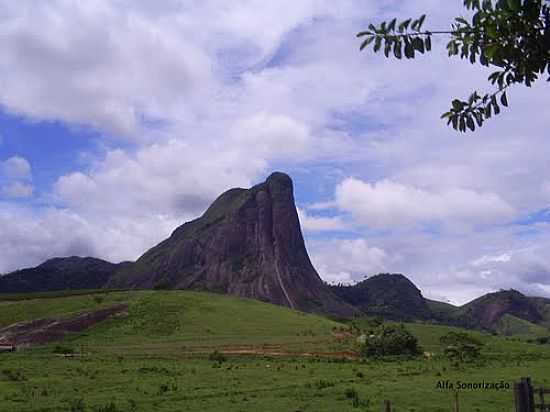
x: 190, y: 351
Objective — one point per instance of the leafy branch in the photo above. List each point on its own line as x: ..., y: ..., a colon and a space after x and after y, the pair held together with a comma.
x: 512, y: 35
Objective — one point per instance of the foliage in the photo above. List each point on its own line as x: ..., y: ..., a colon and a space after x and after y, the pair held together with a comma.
x: 63, y: 350
x: 217, y: 357
x: 389, y: 341
x: 511, y: 35
x: 460, y: 346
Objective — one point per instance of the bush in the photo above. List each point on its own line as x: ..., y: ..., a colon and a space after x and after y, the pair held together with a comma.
x: 460, y: 347
x: 390, y: 341
x: 63, y: 350
x: 217, y: 357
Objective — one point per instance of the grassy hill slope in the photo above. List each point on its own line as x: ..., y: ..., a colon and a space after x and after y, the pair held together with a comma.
x: 176, y: 321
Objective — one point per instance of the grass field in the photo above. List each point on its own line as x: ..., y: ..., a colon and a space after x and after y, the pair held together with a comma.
x: 156, y: 358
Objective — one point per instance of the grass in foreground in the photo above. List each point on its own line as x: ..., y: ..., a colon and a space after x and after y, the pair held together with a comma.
x: 156, y: 359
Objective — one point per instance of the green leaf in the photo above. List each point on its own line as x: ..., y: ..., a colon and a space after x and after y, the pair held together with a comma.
x: 377, y: 43
x: 391, y: 26
x: 495, y: 104
x: 428, y: 43
x: 504, y: 100
x: 488, y: 111
x: 418, y: 44
x: 363, y: 33
x: 397, y: 49
x: 479, y: 118
x: 409, y: 49
x: 421, y: 21
x: 462, y: 124
x: 457, y: 105
x: 387, y: 48
x: 514, y: 5
x: 470, y: 123
x: 367, y: 41
x: 404, y: 25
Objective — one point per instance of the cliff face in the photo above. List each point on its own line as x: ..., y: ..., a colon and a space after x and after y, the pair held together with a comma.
x: 248, y: 243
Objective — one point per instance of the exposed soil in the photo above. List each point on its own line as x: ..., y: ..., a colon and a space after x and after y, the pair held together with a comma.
x: 42, y: 331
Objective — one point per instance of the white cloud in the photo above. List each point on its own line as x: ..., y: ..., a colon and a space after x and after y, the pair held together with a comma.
x: 347, y: 259
x: 31, y: 236
x: 504, y: 257
x: 390, y: 204
x: 319, y: 223
x: 16, y: 167
x: 175, y: 178
x: 272, y: 136
x: 17, y: 190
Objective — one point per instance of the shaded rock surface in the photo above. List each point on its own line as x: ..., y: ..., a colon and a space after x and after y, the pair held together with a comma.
x: 60, y: 274
x: 248, y: 243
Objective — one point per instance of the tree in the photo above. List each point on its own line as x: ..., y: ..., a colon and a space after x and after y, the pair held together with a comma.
x: 389, y: 341
x: 511, y: 35
x: 460, y: 347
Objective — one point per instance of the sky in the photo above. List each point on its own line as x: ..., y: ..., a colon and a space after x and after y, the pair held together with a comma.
x: 121, y: 120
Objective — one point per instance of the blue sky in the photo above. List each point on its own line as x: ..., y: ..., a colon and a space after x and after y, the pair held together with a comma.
x: 121, y: 120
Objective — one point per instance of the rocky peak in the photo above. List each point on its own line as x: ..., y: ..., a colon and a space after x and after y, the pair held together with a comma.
x: 248, y: 243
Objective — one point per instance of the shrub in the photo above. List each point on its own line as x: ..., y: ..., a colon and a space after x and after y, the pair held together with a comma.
x: 390, y: 341
x: 217, y: 357
x: 460, y: 347
x: 63, y: 350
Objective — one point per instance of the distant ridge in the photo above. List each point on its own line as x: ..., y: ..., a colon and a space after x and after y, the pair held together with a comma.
x: 58, y: 274
x: 392, y: 296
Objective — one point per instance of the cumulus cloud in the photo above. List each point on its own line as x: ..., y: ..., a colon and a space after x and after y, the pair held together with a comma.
x: 346, y: 260
x: 389, y: 204
x: 16, y: 167
x: 15, y: 178
x: 17, y: 190
x: 174, y: 178
x: 31, y: 236
x: 320, y: 223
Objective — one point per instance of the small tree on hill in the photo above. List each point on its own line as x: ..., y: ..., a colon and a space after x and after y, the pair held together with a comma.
x: 460, y: 347
x: 390, y: 341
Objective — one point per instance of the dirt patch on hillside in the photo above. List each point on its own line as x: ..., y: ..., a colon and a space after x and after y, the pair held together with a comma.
x: 40, y: 331
x: 268, y: 350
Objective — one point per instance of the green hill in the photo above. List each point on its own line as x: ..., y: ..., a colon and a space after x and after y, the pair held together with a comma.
x: 175, y: 321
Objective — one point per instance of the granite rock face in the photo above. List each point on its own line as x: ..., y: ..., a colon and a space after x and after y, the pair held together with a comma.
x: 248, y: 243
